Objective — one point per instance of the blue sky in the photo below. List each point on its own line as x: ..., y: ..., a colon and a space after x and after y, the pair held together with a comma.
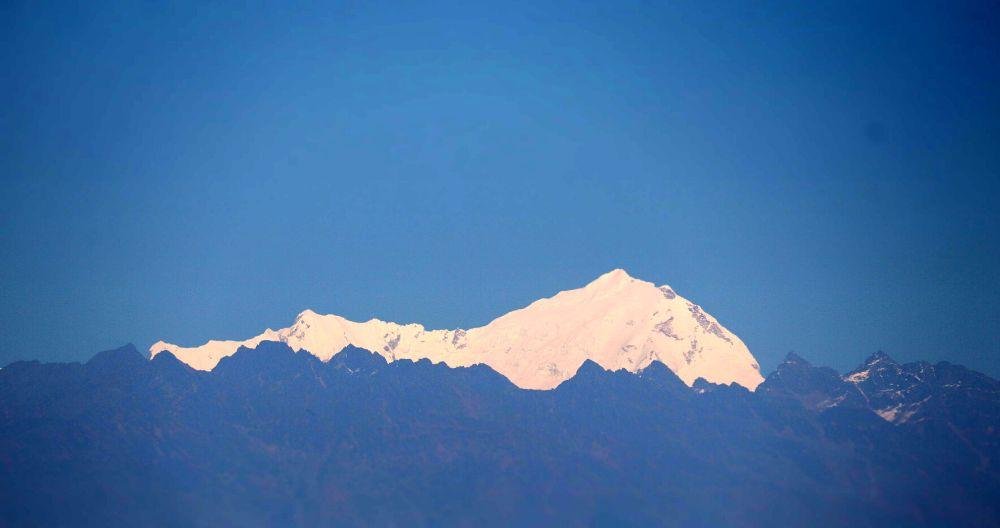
x: 821, y: 178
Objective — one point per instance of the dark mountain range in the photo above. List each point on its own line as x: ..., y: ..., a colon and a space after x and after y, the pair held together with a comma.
x: 271, y: 437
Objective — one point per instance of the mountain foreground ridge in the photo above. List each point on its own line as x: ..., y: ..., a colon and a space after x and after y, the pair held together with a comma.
x: 274, y: 437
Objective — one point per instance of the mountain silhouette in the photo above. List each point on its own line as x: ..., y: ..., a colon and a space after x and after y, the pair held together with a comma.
x: 275, y: 437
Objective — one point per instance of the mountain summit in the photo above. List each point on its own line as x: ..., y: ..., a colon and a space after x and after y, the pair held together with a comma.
x: 617, y: 321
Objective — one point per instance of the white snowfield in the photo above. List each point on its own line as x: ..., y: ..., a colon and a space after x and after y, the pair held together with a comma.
x: 617, y: 321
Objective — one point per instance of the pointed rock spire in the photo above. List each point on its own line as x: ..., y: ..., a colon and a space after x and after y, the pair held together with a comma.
x: 880, y: 357
x: 795, y: 359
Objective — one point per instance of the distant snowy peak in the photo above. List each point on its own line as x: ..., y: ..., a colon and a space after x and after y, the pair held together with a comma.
x: 617, y: 321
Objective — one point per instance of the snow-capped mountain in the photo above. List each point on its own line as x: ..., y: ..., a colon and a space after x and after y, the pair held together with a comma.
x: 919, y: 391
x: 617, y: 321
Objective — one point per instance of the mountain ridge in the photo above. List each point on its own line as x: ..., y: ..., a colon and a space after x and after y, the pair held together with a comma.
x: 616, y: 320
x: 274, y: 437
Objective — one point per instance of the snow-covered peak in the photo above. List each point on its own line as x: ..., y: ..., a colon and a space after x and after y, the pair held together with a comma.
x: 617, y: 321
x: 307, y: 314
x: 610, y: 280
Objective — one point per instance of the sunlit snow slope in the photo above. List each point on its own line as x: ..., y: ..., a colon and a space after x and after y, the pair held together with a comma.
x: 618, y: 321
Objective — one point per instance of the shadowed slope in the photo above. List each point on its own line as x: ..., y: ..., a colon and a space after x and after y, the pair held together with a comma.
x: 276, y: 437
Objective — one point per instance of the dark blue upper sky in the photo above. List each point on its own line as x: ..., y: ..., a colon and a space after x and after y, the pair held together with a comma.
x: 822, y: 178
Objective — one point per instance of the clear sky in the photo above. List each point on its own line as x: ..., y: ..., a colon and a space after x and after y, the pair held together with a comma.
x: 822, y: 178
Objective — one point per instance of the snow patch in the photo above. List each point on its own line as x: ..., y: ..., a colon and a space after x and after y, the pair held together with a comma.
x: 889, y: 413
x: 858, y: 377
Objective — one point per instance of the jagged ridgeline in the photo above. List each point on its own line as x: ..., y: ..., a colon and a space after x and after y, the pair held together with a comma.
x: 617, y: 321
x: 275, y: 437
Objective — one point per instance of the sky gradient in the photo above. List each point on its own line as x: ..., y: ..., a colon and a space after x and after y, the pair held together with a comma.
x: 821, y: 178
